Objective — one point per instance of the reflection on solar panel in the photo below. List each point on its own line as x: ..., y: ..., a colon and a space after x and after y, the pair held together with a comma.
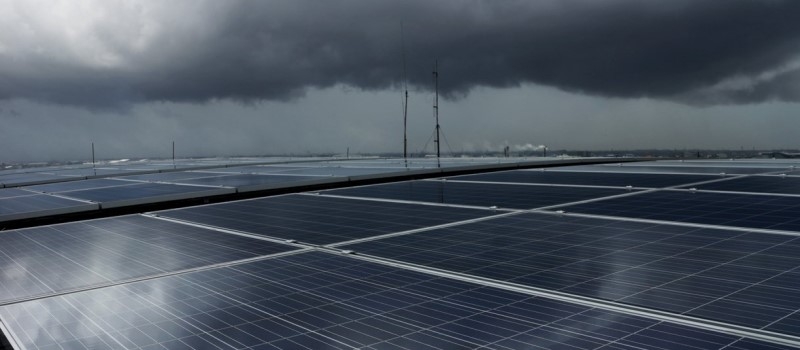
x: 587, y: 178
x: 58, y: 258
x: 317, y: 300
x: 320, y: 219
x: 754, y: 211
x: 478, y: 194
x: 761, y: 184
x: 729, y: 276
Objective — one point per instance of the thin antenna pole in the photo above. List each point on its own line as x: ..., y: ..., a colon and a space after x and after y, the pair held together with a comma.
x: 173, y: 156
x: 436, y: 110
x: 405, y: 103
x: 93, y: 166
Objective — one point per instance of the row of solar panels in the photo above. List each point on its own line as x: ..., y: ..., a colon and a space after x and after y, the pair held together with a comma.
x: 92, y: 195
x: 460, y: 263
x: 160, y: 170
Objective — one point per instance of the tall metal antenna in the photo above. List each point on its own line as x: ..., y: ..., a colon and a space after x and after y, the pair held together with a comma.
x: 405, y: 103
x: 436, y: 110
x: 93, y: 167
x: 173, y: 156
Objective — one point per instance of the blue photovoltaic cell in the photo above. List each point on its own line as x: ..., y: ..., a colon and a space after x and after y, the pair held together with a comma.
x: 477, y: 194
x: 57, y: 258
x: 751, y: 279
x: 320, y: 219
x: 316, y: 300
x: 755, y: 211
x: 587, y: 178
x: 759, y: 184
x: 78, y: 185
x: 245, y: 180
x: 12, y: 206
x: 135, y: 191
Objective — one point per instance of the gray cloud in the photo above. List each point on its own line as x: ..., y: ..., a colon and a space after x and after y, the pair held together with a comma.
x: 113, y: 53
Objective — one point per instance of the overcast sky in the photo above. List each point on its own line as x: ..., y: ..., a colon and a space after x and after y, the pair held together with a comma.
x: 310, y: 76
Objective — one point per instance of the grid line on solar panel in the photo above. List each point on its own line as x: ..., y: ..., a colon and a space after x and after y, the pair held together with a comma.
x: 676, y: 269
x: 586, y: 178
x: 238, y: 180
x: 67, y: 186
x: 757, y: 184
x: 54, y: 259
x: 320, y: 219
x: 14, y: 192
x: 318, y: 300
x: 21, y: 207
x: 482, y: 195
x: 677, y: 170
x: 726, y: 209
x: 142, y: 191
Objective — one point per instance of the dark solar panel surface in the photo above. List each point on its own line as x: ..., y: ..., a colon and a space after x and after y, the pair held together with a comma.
x: 320, y: 219
x: 62, y: 257
x: 744, y: 278
x: 315, y: 301
x: 587, y: 178
x: 477, y: 194
x: 245, y: 180
x: 78, y: 185
x: 760, y: 184
x: 753, y: 211
x: 34, y: 203
x: 136, y: 191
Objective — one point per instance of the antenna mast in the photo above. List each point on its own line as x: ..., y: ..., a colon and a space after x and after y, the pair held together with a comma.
x: 436, y: 109
x: 405, y: 103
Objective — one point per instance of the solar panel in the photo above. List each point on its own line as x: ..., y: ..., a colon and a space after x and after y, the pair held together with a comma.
x: 170, y: 176
x: 78, y: 185
x: 753, y: 211
x: 321, y: 219
x: 316, y: 300
x: 12, y: 180
x: 14, y: 192
x: 143, y: 192
x: 478, y: 194
x: 21, y: 207
x: 245, y: 180
x: 760, y: 184
x: 58, y: 258
x: 650, y: 168
x: 587, y: 178
x: 714, y: 274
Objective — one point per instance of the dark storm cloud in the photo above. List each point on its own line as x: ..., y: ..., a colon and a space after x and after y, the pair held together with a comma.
x: 686, y: 50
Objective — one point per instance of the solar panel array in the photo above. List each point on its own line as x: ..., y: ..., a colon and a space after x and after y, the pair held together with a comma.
x: 574, y: 257
x: 71, y: 189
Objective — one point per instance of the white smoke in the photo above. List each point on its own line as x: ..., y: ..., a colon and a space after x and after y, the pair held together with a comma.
x: 528, y: 147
